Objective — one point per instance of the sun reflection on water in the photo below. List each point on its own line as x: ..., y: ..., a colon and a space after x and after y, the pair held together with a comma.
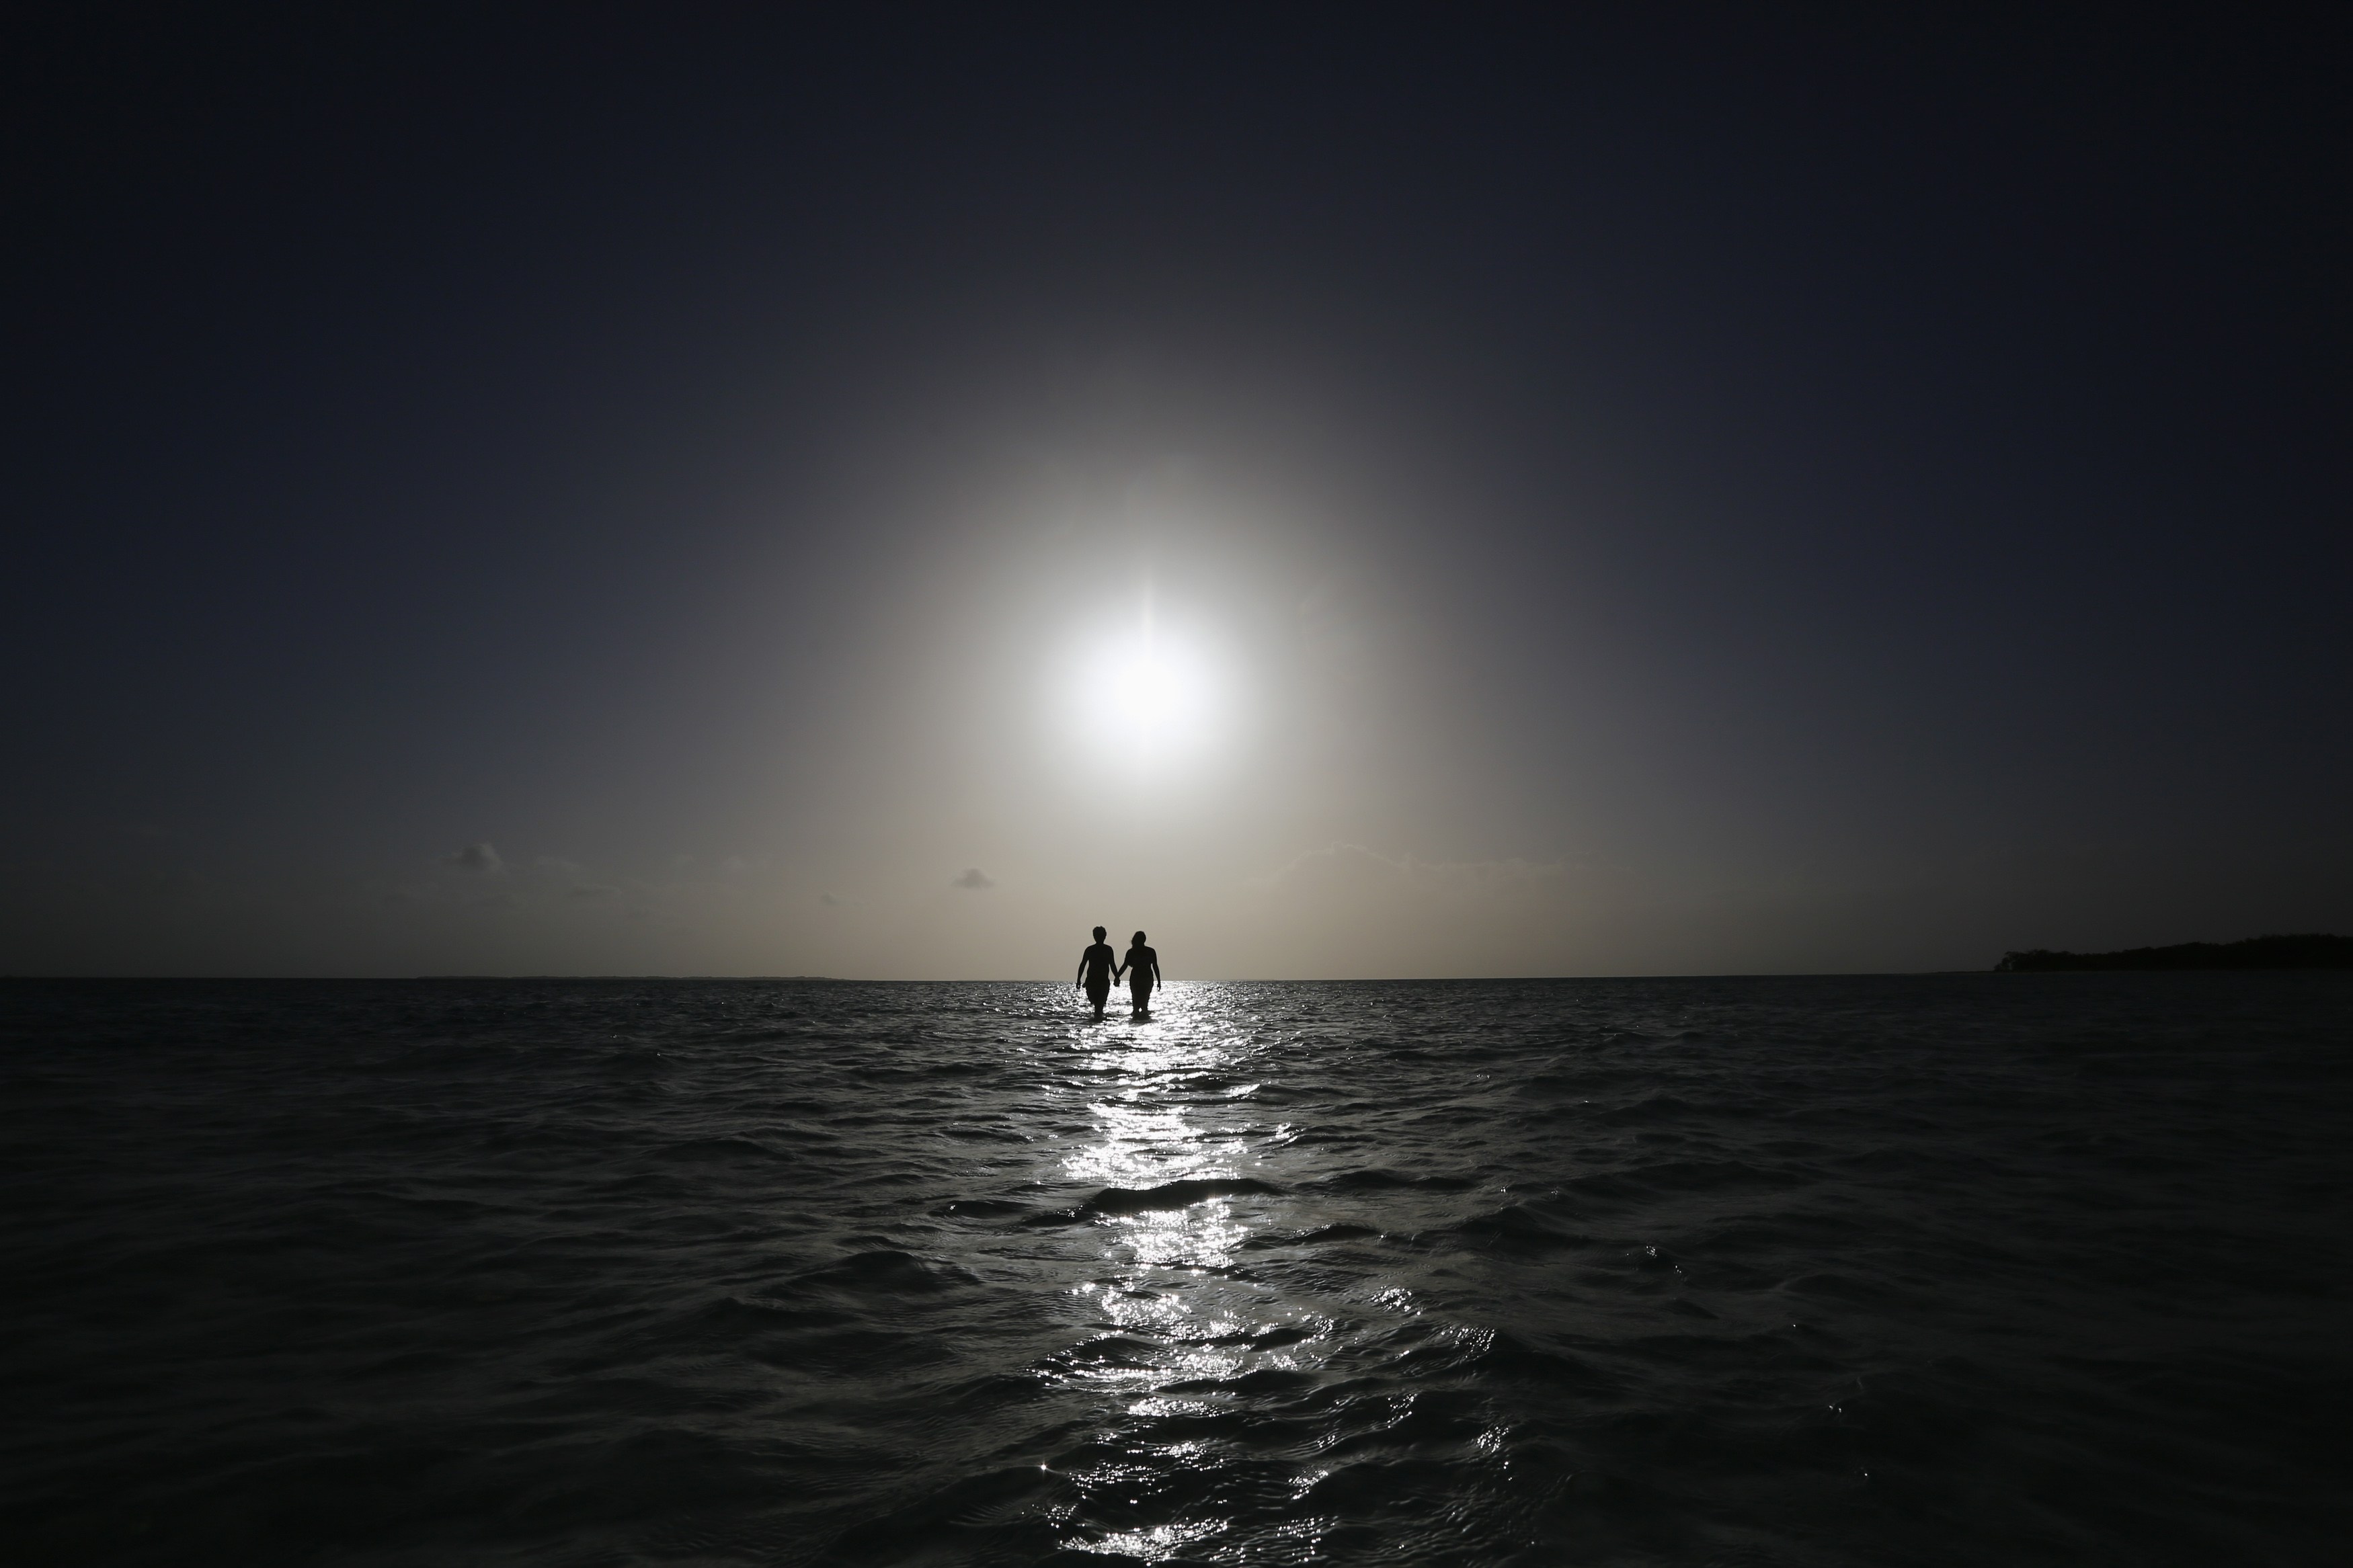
x: 1177, y: 1320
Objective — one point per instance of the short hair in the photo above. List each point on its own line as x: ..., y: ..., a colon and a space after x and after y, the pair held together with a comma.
x: 1139, y: 938
x: 1099, y: 933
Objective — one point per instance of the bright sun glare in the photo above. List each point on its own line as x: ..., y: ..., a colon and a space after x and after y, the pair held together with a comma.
x: 1144, y: 698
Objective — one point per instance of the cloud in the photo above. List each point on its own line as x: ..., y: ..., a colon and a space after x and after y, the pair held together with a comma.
x: 976, y: 878
x: 479, y: 858
x: 829, y: 900
x: 594, y: 890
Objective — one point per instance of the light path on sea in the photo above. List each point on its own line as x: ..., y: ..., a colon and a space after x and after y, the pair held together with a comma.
x: 1179, y: 1334
x: 1243, y: 1369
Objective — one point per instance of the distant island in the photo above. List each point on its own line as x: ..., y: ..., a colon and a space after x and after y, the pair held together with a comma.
x: 2310, y: 952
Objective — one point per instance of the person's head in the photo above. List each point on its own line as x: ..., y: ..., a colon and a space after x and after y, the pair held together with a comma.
x: 1139, y: 939
x: 1099, y: 933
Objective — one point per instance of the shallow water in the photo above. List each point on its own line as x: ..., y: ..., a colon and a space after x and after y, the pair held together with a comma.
x: 1958, y: 1270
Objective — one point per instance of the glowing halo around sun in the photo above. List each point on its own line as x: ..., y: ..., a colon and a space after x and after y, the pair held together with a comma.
x: 1145, y: 699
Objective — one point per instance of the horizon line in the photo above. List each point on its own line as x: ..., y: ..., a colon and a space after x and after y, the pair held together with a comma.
x: 1200, y: 980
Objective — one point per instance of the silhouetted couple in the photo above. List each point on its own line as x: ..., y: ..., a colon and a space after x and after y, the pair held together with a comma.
x: 1098, y: 969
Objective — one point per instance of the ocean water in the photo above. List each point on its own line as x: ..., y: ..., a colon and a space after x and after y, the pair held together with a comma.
x: 1934, y: 1269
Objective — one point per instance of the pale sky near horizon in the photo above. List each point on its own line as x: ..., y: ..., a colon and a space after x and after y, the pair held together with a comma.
x: 716, y: 499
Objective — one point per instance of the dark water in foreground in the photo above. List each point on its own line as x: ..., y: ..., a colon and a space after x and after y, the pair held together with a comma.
x: 1968, y: 1269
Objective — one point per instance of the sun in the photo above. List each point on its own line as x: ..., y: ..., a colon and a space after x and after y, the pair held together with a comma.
x: 1144, y: 698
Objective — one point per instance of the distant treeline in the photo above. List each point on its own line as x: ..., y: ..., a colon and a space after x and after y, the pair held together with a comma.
x: 2255, y: 953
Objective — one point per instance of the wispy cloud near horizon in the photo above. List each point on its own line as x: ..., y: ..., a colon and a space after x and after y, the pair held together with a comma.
x: 478, y: 858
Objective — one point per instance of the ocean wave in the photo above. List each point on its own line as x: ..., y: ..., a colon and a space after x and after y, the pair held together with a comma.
x: 1175, y: 1194
x: 1840, y: 1273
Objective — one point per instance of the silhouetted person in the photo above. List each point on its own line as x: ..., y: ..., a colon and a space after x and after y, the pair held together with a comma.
x: 1143, y: 967
x: 1095, y: 968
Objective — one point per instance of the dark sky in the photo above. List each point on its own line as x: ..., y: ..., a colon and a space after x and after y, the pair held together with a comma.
x: 600, y: 490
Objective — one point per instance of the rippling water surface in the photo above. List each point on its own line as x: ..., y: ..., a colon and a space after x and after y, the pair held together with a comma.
x: 1967, y: 1270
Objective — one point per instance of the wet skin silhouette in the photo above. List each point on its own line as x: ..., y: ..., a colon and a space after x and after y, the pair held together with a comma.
x: 1142, y: 967
x: 1095, y: 972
